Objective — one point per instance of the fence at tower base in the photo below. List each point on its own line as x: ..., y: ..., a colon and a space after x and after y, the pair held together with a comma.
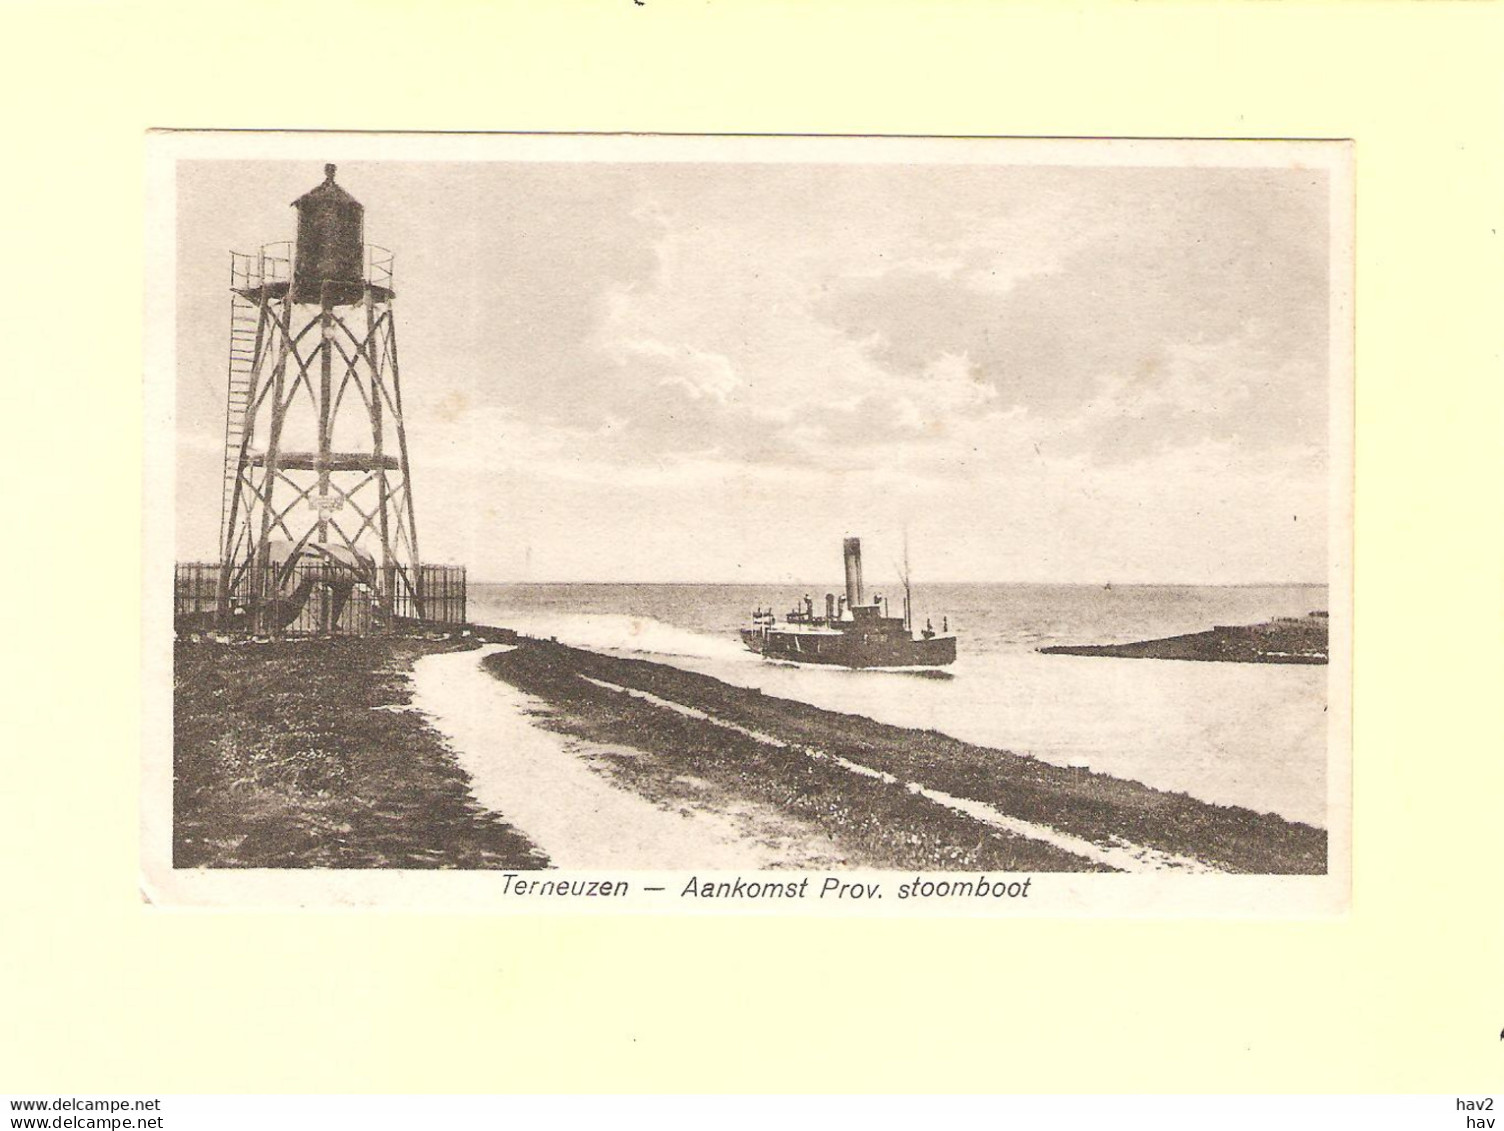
x: 317, y: 598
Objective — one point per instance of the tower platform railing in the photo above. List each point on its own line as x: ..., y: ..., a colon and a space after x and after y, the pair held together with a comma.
x: 272, y: 264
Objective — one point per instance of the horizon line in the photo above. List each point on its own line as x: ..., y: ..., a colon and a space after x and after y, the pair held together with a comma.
x: 1077, y: 584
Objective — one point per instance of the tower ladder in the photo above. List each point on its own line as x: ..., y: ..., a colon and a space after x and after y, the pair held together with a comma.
x: 245, y: 319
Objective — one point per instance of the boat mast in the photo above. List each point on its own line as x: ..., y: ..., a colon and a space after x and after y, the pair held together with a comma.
x: 908, y: 598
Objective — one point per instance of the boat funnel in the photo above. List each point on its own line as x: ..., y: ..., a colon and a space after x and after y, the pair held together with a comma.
x: 853, y: 552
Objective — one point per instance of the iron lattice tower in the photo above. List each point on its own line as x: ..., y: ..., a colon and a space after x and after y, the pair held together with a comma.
x: 316, y: 465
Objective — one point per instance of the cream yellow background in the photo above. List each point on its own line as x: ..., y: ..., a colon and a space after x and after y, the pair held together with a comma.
x: 100, y: 993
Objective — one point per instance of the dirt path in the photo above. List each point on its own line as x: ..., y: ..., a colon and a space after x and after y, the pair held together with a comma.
x: 555, y: 790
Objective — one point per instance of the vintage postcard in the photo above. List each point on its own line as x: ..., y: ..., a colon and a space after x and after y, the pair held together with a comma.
x: 809, y: 526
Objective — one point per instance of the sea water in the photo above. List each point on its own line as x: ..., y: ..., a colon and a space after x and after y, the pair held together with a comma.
x: 1235, y: 734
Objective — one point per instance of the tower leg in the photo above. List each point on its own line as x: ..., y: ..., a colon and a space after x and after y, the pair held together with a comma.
x: 320, y: 503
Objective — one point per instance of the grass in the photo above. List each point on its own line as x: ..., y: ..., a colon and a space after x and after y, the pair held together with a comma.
x: 281, y: 759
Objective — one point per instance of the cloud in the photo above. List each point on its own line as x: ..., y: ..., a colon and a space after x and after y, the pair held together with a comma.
x: 698, y: 374
x: 958, y: 344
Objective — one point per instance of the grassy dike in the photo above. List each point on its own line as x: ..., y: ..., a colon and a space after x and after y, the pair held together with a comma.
x: 281, y: 759
x: 873, y: 824
x: 877, y: 824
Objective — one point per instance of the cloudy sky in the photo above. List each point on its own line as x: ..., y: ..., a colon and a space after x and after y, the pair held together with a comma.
x: 707, y: 371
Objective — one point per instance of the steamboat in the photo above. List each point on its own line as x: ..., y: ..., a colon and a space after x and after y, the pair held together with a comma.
x: 853, y: 632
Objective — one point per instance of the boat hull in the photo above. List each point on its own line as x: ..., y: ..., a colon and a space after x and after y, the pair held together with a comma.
x: 851, y: 649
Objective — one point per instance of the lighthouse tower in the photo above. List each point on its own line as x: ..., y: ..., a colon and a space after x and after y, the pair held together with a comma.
x: 317, y: 527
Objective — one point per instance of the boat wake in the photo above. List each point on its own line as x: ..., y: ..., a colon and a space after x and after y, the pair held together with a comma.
x: 628, y: 635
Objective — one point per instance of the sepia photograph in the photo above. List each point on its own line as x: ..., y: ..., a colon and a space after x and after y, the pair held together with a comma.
x: 753, y: 519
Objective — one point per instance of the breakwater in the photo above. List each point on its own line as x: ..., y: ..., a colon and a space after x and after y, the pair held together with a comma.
x: 1284, y: 640
x: 742, y: 742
